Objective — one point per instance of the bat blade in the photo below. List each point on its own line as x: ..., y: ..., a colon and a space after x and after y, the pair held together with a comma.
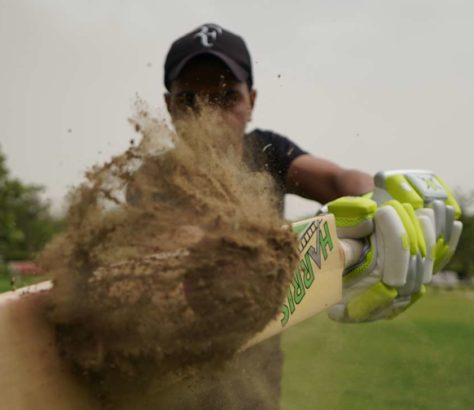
x: 27, y: 342
x: 317, y: 280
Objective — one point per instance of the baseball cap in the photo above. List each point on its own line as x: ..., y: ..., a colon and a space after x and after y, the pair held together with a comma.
x: 210, y: 39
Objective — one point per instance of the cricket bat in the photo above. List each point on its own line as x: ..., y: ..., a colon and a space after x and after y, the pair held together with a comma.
x: 35, y: 377
x: 317, y: 280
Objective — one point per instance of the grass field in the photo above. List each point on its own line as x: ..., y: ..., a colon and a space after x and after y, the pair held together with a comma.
x: 5, y: 282
x: 423, y: 359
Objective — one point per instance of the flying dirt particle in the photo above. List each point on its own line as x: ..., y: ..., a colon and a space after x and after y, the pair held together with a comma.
x: 279, y: 75
x: 165, y: 260
x: 69, y: 130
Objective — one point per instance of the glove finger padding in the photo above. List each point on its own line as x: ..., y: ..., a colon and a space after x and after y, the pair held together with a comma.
x: 354, y: 216
x: 392, y: 247
x: 426, y: 218
x: 424, y: 189
x: 444, y: 251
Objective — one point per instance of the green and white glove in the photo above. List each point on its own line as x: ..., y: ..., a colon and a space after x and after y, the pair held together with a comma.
x: 410, y: 229
x: 425, y: 192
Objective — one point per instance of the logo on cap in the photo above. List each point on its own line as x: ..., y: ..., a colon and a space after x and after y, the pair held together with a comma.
x: 208, y: 34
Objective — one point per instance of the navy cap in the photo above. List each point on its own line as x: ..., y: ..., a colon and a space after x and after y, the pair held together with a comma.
x: 210, y: 39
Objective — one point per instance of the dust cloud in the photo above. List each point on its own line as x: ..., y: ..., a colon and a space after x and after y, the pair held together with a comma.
x: 175, y: 254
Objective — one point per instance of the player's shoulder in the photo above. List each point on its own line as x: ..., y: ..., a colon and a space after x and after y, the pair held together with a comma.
x: 273, y: 143
x: 270, y: 140
x: 266, y: 135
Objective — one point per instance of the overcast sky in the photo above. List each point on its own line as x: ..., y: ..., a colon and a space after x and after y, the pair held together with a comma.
x: 368, y: 84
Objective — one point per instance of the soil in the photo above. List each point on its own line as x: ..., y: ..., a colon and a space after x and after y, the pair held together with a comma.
x: 175, y: 254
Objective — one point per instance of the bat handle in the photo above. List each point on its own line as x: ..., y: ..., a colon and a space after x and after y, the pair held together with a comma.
x: 353, y: 250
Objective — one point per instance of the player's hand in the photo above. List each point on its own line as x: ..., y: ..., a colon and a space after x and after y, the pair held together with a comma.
x: 424, y: 190
x: 409, y: 232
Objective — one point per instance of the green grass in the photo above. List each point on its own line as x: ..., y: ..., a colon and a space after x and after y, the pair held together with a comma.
x: 5, y: 281
x: 423, y: 359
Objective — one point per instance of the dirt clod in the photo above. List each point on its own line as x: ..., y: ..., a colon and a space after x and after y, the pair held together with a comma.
x: 175, y: 254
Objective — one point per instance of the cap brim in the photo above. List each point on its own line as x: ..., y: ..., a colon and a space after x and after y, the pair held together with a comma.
x: 239, y: 73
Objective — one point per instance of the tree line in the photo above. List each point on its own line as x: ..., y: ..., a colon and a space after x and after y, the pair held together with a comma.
x: 26, y: 222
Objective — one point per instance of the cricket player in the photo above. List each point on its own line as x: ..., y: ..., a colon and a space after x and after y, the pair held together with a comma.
x: 213, y: 64
x: 408, y: 221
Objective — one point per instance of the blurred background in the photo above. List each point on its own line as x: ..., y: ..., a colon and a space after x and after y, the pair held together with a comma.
x: 368, y: 84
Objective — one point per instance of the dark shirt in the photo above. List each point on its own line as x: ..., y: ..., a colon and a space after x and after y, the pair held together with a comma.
x: 265, y: 150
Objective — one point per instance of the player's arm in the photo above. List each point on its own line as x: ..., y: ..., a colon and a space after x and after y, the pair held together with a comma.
x: 323, y: 181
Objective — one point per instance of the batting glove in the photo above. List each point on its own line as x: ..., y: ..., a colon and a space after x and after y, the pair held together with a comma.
x: 430, y: 196
x: 410, y: 230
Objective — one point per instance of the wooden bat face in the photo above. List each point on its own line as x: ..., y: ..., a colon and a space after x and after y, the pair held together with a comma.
x: 317, y: 280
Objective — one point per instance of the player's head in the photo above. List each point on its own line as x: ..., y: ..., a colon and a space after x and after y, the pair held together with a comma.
x: 213, y: 65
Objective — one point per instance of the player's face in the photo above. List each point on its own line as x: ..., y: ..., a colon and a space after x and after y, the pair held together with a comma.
x: 209, y: 80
